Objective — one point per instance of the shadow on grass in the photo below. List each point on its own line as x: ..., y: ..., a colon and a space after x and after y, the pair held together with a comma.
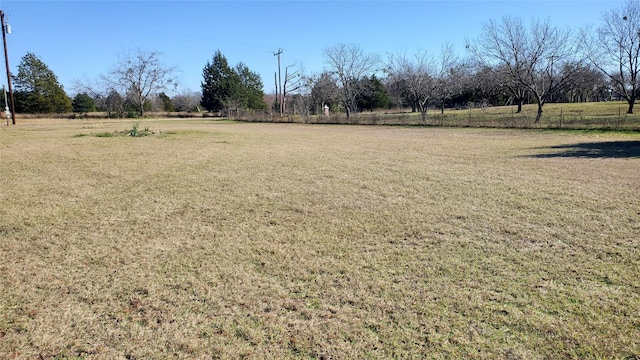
x: 609, y: 149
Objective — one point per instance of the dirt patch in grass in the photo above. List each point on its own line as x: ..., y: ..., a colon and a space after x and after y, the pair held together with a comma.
x: 289, y: 241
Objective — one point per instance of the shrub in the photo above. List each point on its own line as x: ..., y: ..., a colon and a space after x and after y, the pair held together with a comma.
x: 136, y: 132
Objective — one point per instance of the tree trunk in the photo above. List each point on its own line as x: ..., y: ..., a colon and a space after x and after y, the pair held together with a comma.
x: 423, y: 107
x: 631, y: 102
x: 519, y: 106
x: 539, y: 114
x: 141, y: 105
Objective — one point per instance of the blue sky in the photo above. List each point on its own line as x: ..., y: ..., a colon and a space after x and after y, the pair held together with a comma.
x: 82, y: 39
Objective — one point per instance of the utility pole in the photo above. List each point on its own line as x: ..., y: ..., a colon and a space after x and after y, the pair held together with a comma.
x: 275, y: 81
x: 279, y: 84
x: 6, y: 60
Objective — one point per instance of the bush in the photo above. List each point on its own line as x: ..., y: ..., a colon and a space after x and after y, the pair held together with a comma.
x: 136, y: 132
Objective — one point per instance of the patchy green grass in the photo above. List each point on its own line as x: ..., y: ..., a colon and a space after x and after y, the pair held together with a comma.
x: 303, y: 241
x: 99, y: 134
x: 133, y: 131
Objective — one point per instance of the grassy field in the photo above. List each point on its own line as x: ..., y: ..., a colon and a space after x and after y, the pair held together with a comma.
x: 235, y: 240
x: 595, y: 115
x: 609, y: 115
x: 580, y: 116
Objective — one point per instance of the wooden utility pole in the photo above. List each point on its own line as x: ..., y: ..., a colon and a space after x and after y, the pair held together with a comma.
x: 275, y: 81
x: 6, y: 60
x: 280, y: 98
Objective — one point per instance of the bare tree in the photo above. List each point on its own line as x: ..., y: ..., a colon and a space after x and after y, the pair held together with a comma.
x: 294, y: 82
x: 413, y: 79
x: 589, y: 84
x: 96, y: 89
x: 230, y: 105
x: 140, y: 74
x: 423, y: 77
x: 614, y: 49
x: 396, y: 93
x: 114, y: 104
x: 294, y: 79
x: 302, y: 100
x: 450, y: 75
x: 499, y: 50
x: 531, y: 57
x: 505, y: 79
x: 517, y: 91
x: 187, y: 100
x: 349, y: 63
x: 484, y: 86
x: 106, y: 98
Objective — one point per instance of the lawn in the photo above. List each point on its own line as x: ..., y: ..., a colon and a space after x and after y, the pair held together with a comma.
x: 241, y: 240
x: 578, y: 116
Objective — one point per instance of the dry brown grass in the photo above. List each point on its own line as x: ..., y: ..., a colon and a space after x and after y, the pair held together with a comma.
x: 215, y: 240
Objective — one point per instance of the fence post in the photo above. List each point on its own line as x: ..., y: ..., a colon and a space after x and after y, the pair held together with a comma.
x: 512, y: 120
x: 619, y: 118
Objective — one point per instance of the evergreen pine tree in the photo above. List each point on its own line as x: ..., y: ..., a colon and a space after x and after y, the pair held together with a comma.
x: 217, y: 84
x: 224, y: 86
x: 38, y: 89
x: 83, y: 103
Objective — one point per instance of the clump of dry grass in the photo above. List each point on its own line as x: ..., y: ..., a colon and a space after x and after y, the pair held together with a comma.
x: 287, y: 241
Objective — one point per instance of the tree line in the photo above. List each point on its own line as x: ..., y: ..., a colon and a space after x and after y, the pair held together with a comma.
x: 510, y: 62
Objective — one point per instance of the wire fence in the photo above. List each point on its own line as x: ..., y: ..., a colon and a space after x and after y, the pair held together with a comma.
x: 555, y: 118
x: 474, y: 118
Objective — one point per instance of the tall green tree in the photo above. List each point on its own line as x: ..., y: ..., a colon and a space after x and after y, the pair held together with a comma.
x: 83, y: 103
x: 38, y: 89
x: 224, y: 86
x: 218, y: 84
x: 373, y: 94
x: 167, y: 105
x: 250, y: 93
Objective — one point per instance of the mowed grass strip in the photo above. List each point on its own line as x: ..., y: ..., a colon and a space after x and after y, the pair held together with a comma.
x: 213, y: 240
